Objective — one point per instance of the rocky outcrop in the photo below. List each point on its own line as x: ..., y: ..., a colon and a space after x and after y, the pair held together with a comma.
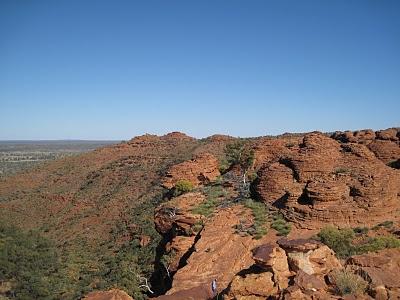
x: 252, y: 286
x: 324, y: 181
x: 386, y: 151
x: 380, y: 270
x: 309, y: 256
x: 293, y: 270
x: 219, y: 253
x: 391, y: 134
x: 273, y: 259
x: 201, y: 169
x: 177, y: 213
x: 113, y: 294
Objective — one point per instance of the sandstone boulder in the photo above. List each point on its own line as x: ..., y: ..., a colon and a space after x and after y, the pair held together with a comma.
x: 387, y: 134
x: 387, y: 151
x: 113, y: 294
x: 201, y: 292
x: 309, y: 256
x: 252, y: 287
x: 272, y: 258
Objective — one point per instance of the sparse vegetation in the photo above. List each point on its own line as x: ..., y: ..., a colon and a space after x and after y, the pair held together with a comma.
x: 260, y: 215
x: 213, y: 193
x: 348, y: 283
x: 379, y: 243
x: 385, y: 224
x: 280, y: 225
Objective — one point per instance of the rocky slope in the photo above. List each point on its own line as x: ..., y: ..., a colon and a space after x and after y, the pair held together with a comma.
x: 214, y: 240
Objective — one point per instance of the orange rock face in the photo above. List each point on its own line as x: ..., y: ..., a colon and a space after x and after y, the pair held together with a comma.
x: 219, y: 253
x: 324, y: 181
x: 113, y: 294
x: 202, y: 169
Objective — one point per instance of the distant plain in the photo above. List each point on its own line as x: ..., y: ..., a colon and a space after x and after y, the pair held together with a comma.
x: 16, y: 156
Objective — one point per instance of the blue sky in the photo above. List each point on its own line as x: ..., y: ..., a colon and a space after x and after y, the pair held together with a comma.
x: 116, y: 69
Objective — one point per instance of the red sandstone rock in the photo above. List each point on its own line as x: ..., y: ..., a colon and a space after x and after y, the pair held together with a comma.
x: 386, y: 151
x: 220, y: 253
x: 273, y: 259
x: 202, y: 169
x: 113, y: 294
x: 309, y: 256
x: 252, y: 286
x: 387, y: 134
x: 324, y: 182
x: 378, y: 268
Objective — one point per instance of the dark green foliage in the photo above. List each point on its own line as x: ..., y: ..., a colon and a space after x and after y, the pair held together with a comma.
x: 281, y: 226
x: 379, y: 243
x: 238, y: 153
x: 183, y: 186
x: 30, y: 261
x: 341, y: 241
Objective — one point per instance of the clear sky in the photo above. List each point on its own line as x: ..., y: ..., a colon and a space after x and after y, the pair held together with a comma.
x: 116, y: 69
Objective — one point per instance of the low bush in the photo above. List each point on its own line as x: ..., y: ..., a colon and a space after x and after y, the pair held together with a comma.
x: 339, y: 240
x: 348, y: 283
x: 281, y: 226
x: 260, y: 215
x: 183, y: 186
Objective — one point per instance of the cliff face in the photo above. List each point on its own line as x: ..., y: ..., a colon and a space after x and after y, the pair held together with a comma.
x: 213, y: 240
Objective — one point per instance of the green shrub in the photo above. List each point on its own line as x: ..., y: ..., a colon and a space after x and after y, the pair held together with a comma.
x: 379, y: 243
x: 281, y: 226
x: 183, y: 186
x: 238, y: 153
x: 30, y: 261
x: 339, y: 240
x: 348, y: 283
